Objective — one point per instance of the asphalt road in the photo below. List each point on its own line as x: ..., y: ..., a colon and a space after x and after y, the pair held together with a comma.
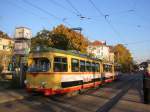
x: 124, y: 95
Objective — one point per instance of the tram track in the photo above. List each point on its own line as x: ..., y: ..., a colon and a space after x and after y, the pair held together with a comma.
x: 100, y: 99
x: 107, y: 106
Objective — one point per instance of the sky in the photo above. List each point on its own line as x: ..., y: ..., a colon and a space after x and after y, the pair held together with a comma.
x: 113, y: 21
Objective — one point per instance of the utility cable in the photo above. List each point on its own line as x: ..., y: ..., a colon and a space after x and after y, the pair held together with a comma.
x: 20, y: 7
x: 45, y: 11
x: 78, y: 13
x: 63, y: 7
x: 105, y: 17
x: 73, y: 7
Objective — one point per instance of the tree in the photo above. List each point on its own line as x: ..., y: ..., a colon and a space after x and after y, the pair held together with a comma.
x: 123, y: 57
x: 59, y: 41
x: 3, y: 35
x: 43, y: 38
x: 61, y: 37
x: 76, y: 41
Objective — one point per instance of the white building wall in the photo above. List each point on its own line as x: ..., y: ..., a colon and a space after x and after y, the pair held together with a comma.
x: 111, y: 57
x: 101, y: 52
x: 22, y: 40
x: 23, y: 32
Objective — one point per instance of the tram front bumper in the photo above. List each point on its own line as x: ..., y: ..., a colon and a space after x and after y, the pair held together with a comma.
x: 45, y: 91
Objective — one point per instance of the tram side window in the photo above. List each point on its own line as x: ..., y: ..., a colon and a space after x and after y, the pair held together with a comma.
x: 82, y: 66
x: 39, y: 65
x: 117, y: 68
x: 93, y: 67
x: 75, y: 65
x: 107, y: 68
x: 88, y: 66
x: 110, y: 68
x: 97, y: 67
x: 60, y: 64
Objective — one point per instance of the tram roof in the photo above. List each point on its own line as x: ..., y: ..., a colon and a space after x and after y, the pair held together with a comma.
x: 68, y: 52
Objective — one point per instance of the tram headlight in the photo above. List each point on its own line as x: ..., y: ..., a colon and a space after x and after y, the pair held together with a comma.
x: 43, y: 83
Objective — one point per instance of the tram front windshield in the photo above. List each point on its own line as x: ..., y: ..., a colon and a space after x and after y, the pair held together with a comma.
x: 39, y: 65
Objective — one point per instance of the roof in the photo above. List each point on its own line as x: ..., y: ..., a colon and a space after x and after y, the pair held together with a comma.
x: 8, y: 38
x: 4, y: 36
x: 70, y: 52
x: 23, y: 27
x: 145, y: 63
x: 97, y: 43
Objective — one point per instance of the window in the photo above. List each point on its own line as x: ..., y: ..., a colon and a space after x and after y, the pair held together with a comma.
x: 75, y: 65
x: 82, y: 66
x: 39, y: 65
x: 110, y: 68
x: 88, y: 66
x: 20, y: 34
x: 107, y: 68
x: 60, y: 64
x: 93, y: 67
x: 4, y: 47
x: 27, y: 34
x: 97, y: 67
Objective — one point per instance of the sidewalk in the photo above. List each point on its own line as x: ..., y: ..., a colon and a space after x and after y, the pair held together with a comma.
x: 8, y: 94
x: 12, y: 95
x: 132, y: 101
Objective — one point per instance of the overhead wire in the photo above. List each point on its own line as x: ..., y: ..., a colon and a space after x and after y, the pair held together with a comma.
x: 78, y: 13
x: 45, y: 11
x: 73, y: 7
x: 138, y: 42
x: 42, y: 10
x: 16, y: 5
x: 133, y: 9
x: 63, y: 7
x: 105, y: 16
x: 123, y: 12
x: 135, y: 4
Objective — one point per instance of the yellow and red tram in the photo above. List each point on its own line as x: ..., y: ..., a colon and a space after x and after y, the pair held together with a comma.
x: 108, y: 72
x: 54, y: 71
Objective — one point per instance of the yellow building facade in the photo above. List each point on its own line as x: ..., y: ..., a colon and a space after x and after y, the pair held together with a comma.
x: 6, y: 45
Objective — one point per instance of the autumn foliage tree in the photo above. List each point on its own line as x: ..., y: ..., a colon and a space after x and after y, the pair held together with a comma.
x: 3, y: 35
x: 41, y: 39
x: 76, y: 41
x: 61, y: 37
x: 123, y: 57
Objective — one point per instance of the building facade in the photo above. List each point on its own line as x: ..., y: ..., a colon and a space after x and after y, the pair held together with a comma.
x: 22, y: 39
x: 6, y: 44
x: 111, y: 54
x: 101, y: 51
x: 6, y: 52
